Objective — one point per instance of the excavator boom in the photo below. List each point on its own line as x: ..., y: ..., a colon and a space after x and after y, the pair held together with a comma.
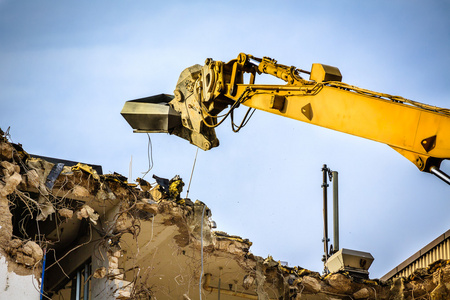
x: 418, y: 131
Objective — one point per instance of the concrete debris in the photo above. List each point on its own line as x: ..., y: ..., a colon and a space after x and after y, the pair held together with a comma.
x: 15, y: 243
x: 310, y: 285
x: 8, y: 168
x: 248, y: 281
x: 28, y: 253
x: 32, y: 178
x: 100, y: 273
x: 6, y: 150
x: 32, y: 249
x: 65, y: 213
x: 147, y: 205
x: 80, y: 191
x: 440, y: 292
x: 87, y: 212
x: 10, y: 183
x: 146, y: 242
x: 339, y: 282
x: 46, y: 209
x: 362, y: 294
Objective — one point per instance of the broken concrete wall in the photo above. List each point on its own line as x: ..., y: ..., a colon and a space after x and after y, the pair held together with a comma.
x: 41, y: 208
x: 19, y: 260
x: 147, y: 242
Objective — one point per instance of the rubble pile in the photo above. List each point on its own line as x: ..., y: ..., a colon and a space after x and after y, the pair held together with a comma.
x: 145, y: 241
x: 432, y: 283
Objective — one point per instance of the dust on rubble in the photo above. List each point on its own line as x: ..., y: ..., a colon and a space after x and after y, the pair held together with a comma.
x: 112, y: 208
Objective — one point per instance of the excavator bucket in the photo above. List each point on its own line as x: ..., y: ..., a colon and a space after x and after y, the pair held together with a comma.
x: 158, y: 114
x: 179, y: 115
x: 151, y: 114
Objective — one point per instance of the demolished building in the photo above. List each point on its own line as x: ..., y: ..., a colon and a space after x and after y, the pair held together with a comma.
x: 69, y: 232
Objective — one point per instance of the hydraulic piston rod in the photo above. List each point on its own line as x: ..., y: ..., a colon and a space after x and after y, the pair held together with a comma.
x: 440, y: 174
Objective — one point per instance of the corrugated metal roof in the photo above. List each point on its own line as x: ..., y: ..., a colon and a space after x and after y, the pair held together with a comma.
x: 439, y: 248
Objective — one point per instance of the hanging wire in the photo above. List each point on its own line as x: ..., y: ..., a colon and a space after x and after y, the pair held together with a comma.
x: 150, y: 156
x: 192, y: 172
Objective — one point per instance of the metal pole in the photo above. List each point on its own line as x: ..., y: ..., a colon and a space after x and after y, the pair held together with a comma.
x: 86, y: 281
x: 335, y: 212
x: 78, y: 288
x: 325, y: 212
x: 43, y: 272
x: 73, y: 289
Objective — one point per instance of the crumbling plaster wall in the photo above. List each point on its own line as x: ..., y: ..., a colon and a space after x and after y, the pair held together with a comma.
x: 17, y: 276
x: 114, y: 223
x: 14, y: 286
x: 25, y: 189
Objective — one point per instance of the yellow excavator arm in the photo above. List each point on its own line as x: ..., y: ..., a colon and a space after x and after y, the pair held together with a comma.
x: 419, y: 132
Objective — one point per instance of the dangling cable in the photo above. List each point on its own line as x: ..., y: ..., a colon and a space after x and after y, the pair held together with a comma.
x: 150, y: 156
x: 244, y: 122
x: 192, y: 172
x: 235, y: 105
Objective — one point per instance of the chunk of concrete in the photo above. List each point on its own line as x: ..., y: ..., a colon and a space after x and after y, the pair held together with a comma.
x: 311, y: 284
x: 340, y: 282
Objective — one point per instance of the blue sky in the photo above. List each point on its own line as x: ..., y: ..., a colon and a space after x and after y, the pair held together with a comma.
x: 66, y: 70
